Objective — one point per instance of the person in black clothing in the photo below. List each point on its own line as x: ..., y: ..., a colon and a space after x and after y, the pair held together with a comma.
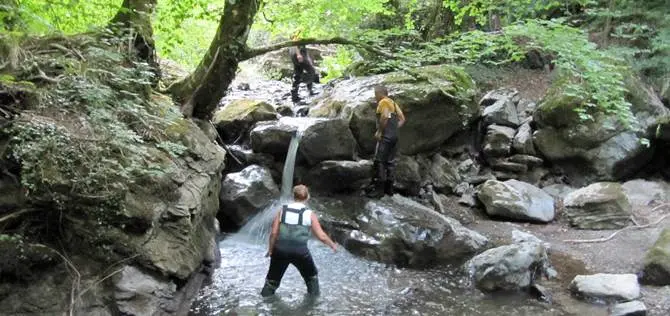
x: 303, y: 71
x: 291, y: 228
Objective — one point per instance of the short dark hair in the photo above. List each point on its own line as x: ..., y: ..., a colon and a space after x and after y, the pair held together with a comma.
x: 382, y: 89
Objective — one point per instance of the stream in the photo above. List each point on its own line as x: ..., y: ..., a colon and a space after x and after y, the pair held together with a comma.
x: 349, y: 285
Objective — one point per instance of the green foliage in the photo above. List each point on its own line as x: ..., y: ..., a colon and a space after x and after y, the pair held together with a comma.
x: 318, y: 18
x: 336, y: 65
x: 94, y: 127
x: 65, y: 16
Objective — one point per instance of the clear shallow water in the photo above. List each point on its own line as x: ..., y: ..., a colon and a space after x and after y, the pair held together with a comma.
x: 349, y: 286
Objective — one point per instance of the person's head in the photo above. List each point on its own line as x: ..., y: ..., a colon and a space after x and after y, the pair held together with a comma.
x: 381, y: 92
x: 300, y: 193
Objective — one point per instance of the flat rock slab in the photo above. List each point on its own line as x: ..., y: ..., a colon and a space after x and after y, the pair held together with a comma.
x: 602, y: 205
x: 634, y: 308
x: 616, y: 287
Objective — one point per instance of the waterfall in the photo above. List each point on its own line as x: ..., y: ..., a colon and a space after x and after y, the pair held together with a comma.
x: 257, y: 229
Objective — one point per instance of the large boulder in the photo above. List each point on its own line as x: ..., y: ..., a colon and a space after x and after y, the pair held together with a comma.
x: 509, y: 268
x: 602, y: 205
x: 601, y: 149
x: 502, y: 112
x: 400, y: 231
x: 407, y: 173
x: 438, y: 101
x: 611, y: 287
x: 322, y: 139
x: 338, y: 176
x: 645, y: 193
x: 244, y: 193
x: 657, y: 261
x: 444, y: 174
x: 236, y: 118
x: 516, y: 200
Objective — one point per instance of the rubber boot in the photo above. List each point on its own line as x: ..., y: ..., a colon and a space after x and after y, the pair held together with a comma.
x: 269, y: 288
x: 388, y: 188
x: 376, y: 191
x: 313, y: 286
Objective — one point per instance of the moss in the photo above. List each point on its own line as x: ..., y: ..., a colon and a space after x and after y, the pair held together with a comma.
x: 660, y: 253
x: 241, y: 108
x: 330, y: 109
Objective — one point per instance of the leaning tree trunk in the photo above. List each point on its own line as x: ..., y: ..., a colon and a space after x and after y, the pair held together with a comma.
x: 200, y: 92
x: 134, y: 19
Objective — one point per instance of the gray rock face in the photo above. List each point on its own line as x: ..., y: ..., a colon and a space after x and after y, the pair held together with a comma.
x: 326, y: 140
x: 444, y: 174
x: 498, y: 141
x: 508, y: 268
x: 322, y: 139
x: 400, y: 231
x: 634, y: 308
x: 435, y: 115
x: 600, y: 149
x: 610, y: 287
x: 408, y: 175
x: 502, y: 112
x: 503, y: 94
x: 602, y: 205
x: 244, y: 193
x: 516, y: 200
x: 138, y: 293
x: 338, y: 176
x: 519, y: 237
x: 657, y: 261
x: 646, y: 193
x: 558, y: 191
x: 523, y: 140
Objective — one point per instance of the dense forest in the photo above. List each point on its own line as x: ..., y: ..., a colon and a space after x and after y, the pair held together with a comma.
x: 94, y: 116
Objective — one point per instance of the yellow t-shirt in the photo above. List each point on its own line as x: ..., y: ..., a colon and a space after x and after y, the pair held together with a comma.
x: 386, y: 103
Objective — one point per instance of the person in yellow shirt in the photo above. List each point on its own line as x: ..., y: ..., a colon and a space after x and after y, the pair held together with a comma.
x: 389, y: 119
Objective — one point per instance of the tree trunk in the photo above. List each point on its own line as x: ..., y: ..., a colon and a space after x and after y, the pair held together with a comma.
x: 201, y: 91
x: 134, y: 19
x: 608, y: 24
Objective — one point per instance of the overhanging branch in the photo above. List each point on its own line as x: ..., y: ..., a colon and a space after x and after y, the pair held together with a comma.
x: 253, y: 52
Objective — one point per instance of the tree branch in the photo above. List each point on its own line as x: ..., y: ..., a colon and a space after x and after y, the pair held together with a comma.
x: 253, y: 52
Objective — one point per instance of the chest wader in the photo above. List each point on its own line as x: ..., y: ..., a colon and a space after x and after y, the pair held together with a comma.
x: 384, y: 161
x: 291, y: 248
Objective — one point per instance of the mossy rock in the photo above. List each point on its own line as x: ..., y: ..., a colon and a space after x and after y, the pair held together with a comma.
x: 437, y: 100
x: 239, y: 115
x: 22, y: 260
x: 657, y: 261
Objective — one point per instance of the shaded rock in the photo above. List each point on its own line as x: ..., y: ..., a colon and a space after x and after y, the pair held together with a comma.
x: 444, y: 174
x: 496, y: 95
x: 246, y: 157
x: 609, y: 287
x: 634, y: 308
x: 657, y: 261
x: 601, y: 205
x: 326, y: 139
x: 137, y: 293
x: 498, y: 141
x: 601, y: 149
x: 285, y: 110
x: 504, y: 175
x: 502, y: 112
x: 558, y: 191
x: 467, y: 193
x: 244, y: 193
x: 22, y: 260
x: 207, y: 128
x: 400, y: 231
x: 523, y: 140
x: 645, y: 193
x: 509, y: 166
x: 440, y: 102
x: 336, y: 176
x: 272, y: 138
x: 528, y: 160
x: 322, y: 139
x: 408, y: 175
x: 525, y: 108
x: 236, y: 118
x: 516, y: 200
x: 508, y: 268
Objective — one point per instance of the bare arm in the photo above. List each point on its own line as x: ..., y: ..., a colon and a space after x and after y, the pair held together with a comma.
x: 320, y: 234
x: 401, y: 117
x: 273, y: 234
